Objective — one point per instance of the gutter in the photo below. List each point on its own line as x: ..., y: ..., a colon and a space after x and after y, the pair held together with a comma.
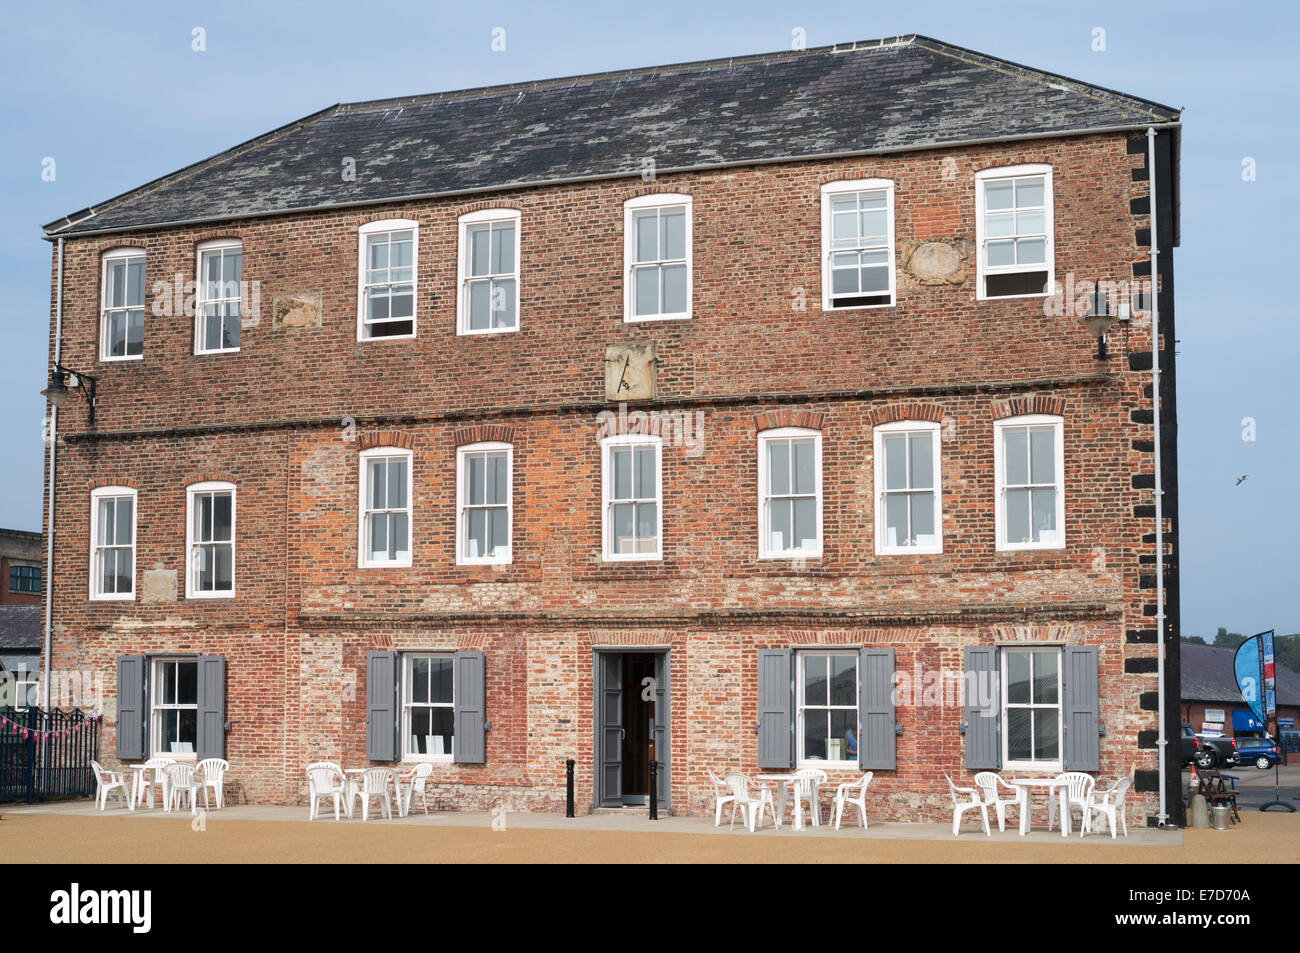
x: 52, y: 433
x: 1162, y: 742
x: 51, y: 230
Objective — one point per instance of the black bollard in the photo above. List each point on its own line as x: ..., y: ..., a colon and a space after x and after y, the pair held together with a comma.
x: 568, y: 784
x: 654, y: 790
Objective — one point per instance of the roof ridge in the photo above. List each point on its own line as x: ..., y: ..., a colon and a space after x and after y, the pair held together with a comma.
x: 774, y: 56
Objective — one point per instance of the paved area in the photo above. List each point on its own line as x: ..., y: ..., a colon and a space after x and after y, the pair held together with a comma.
x: 77, y: 833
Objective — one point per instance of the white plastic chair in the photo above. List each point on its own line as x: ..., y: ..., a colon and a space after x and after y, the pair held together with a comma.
x: 1078, y: 793
x: 806, y: 787
x: 721, y: 795
x: 326, y: 779
x: 375, y: 783
x: 750, y: 798
x: 414, y: 783
x: 963, y: 800
x: 182, y: 783
x: 1111, y: 805
x: 108, y: 781
x: 158, y: 782
x: 214, y: 777
x: 855, y: 793
x: 988, y: 783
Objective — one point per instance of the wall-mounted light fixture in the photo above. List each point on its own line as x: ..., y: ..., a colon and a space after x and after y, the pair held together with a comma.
x: 1099, y: 321
x: 64, y: 381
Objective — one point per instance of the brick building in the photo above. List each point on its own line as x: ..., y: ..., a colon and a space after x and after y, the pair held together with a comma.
x: 20, y: 567
x: 1211, y: 696
x: 676, y: 412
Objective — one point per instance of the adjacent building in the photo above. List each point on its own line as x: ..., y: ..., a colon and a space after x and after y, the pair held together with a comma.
x: 736, y: 415
x: 1211, y: 696
x: 20, y: 567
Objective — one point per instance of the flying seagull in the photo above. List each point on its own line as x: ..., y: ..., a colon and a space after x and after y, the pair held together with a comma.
x: 1242, y: 479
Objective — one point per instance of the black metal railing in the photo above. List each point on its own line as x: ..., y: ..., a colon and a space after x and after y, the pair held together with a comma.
x: 46, y: 754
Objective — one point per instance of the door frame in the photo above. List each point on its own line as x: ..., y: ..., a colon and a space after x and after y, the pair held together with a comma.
x: 664, y: 757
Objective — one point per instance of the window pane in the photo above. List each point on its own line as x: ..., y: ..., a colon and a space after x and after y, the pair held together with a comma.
x: 476, y: 534
x: 440, y: 672
x: 135, y: 283
x: 816, y: 732
x: 398, y: 536
x: 401, y: 250
x: 480, y: 247
x: 1042, y: 455
x: 135, y: 332
x: 222, y: 517
x: 396, y: 484
x: 622, y: 524
x: 646, y: 290
x: 844, y: 726
x: 873, y: 227
x: 999, y: 225
x: 503, y: 249
x: 1044, y: 515
x: 377, y: 481
x: 647, y: 522
x: 805, y: 466
x: 1029, y: 192
x: 498, y: 529
x: 896, y: 533
x: 1046, y: 665
x: 187, y: 683
x: 646, y: 484
x: 1018, y: 677
x: 1031, y: 251
x: 674, y: 289
x: 377, y: 304
x: 419, y: 685
x: 922, y: 518
x: 474, y: 478
x: 1019, y: 747
x: 232, y: 271
x: 778, y: 523
x: 673, y: 223
x: 503, y: 303
x: 124, y: 528
x: 378, y: 254
x: 1017, y: 507
x: 815, y: 669
x: 1046, y: 742
x: 1031, y: 223
x: 1015, y: 462
x: 1001, y: 253
x: 778, y: 467
x: 496, y: 478
x: 875, y: 279
x: 480, y: 305
x: 922, y: 447
x: 106, y: 534
x: 202, y: 517
x: 844, y: 281
x: 844, y: 224
x: 998, y: 195
x: 230, y: 326
x: 116, y: 293
x: 805, y: 523
x: 647, y: 235
x: 621, y: 458
x: 378, y: 537
x: 224, y: 569
x: 844, y: 680
x: 895, y: 447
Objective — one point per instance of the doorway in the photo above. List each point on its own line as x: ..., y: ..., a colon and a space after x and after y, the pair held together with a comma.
x: 631, y: 726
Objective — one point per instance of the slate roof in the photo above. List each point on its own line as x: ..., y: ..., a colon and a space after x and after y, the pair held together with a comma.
x: 1207, y: 676
x: 20, y: 628
x: 897, y: 94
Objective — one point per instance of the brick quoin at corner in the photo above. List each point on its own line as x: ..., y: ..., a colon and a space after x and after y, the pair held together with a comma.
x: 369, y: 514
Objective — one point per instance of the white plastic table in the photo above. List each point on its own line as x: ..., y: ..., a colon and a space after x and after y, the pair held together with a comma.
x: 784, y: 783
x: 1052, y: 785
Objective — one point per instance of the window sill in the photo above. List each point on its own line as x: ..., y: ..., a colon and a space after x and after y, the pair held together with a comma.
x: 400, y: 564
x: 113, y: 360
x: 791, y: 555
x: 829, y: 308
x: 644, y: 318
x: 471, y: 563
x: 205, y: 596
x: 828, y: 765
x: 631, y: 557
x: 414, y: 759
x: 482, y: 332
x: 385, y: 337
x: 223, y: 350
x: 911, y: 551
x: 126, y: 598
x: 1029, y: 547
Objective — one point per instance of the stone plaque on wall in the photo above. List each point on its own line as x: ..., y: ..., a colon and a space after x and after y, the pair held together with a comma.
x: 158, y: 585
x: 938, y: 262
x: 630, y: 371
x: 297, y: 311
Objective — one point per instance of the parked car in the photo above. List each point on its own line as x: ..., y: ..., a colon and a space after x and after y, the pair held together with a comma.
x: 1206, y: 750
x: 1258, y: 750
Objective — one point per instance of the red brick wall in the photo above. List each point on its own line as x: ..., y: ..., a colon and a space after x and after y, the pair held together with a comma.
x: 305, y: 616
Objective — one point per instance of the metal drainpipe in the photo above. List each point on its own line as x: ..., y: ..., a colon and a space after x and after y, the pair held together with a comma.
x: 51, y: 434
x: 1159, y: 493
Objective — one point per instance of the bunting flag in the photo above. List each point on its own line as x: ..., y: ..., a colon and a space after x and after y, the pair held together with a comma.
x: 39, y: 734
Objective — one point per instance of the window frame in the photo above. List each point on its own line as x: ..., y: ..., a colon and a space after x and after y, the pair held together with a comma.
x: 1004, y: 652
x: 785, y: 433
x: 908, y: 427
x: 999, y: 486
x: 800, y: 705
x: 407, y: 660
x: 96, y: 495
x: 982, y: 178
x: 831, y: 189
x: 222, y: 245
x: 363, y: 486
x: 463, y: 278
x: 607, y: 501
x: 125, y: 252
x: 364, y: 233
x: 657, y: 200
x: 462, y: 507
x: 155, y: 733
x: 16, y: 574
x: 192, y: 491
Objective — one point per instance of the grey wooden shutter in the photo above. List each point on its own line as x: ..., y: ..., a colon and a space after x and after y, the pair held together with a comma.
x: 662, y: 719
x: 470, y: 742
x: 876, y: 744
x: 381, y: 706
x: 212, y: 707
x: 775, y: 709
x: 609, y: 729
x: 1079, y: 710
x: 130, y: 707
x: 983, y: 724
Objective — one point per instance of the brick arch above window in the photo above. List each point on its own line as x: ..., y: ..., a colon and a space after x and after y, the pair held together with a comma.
x: 215, y: 235
x: 487, y: 206
x: 385, y: 438
x: 1028, y: 404
x: 485, y: 433
x: 110, y: 480
x: 891, y: 413
x: 660, y: 189
x: 1061, y: 632
x: 209, y: 476
x: 775, y: 419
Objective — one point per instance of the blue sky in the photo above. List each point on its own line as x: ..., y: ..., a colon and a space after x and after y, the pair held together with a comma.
x: 116, y: 96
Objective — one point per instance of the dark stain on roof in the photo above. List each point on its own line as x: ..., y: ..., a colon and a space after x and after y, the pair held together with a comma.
x: 897, y: 94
